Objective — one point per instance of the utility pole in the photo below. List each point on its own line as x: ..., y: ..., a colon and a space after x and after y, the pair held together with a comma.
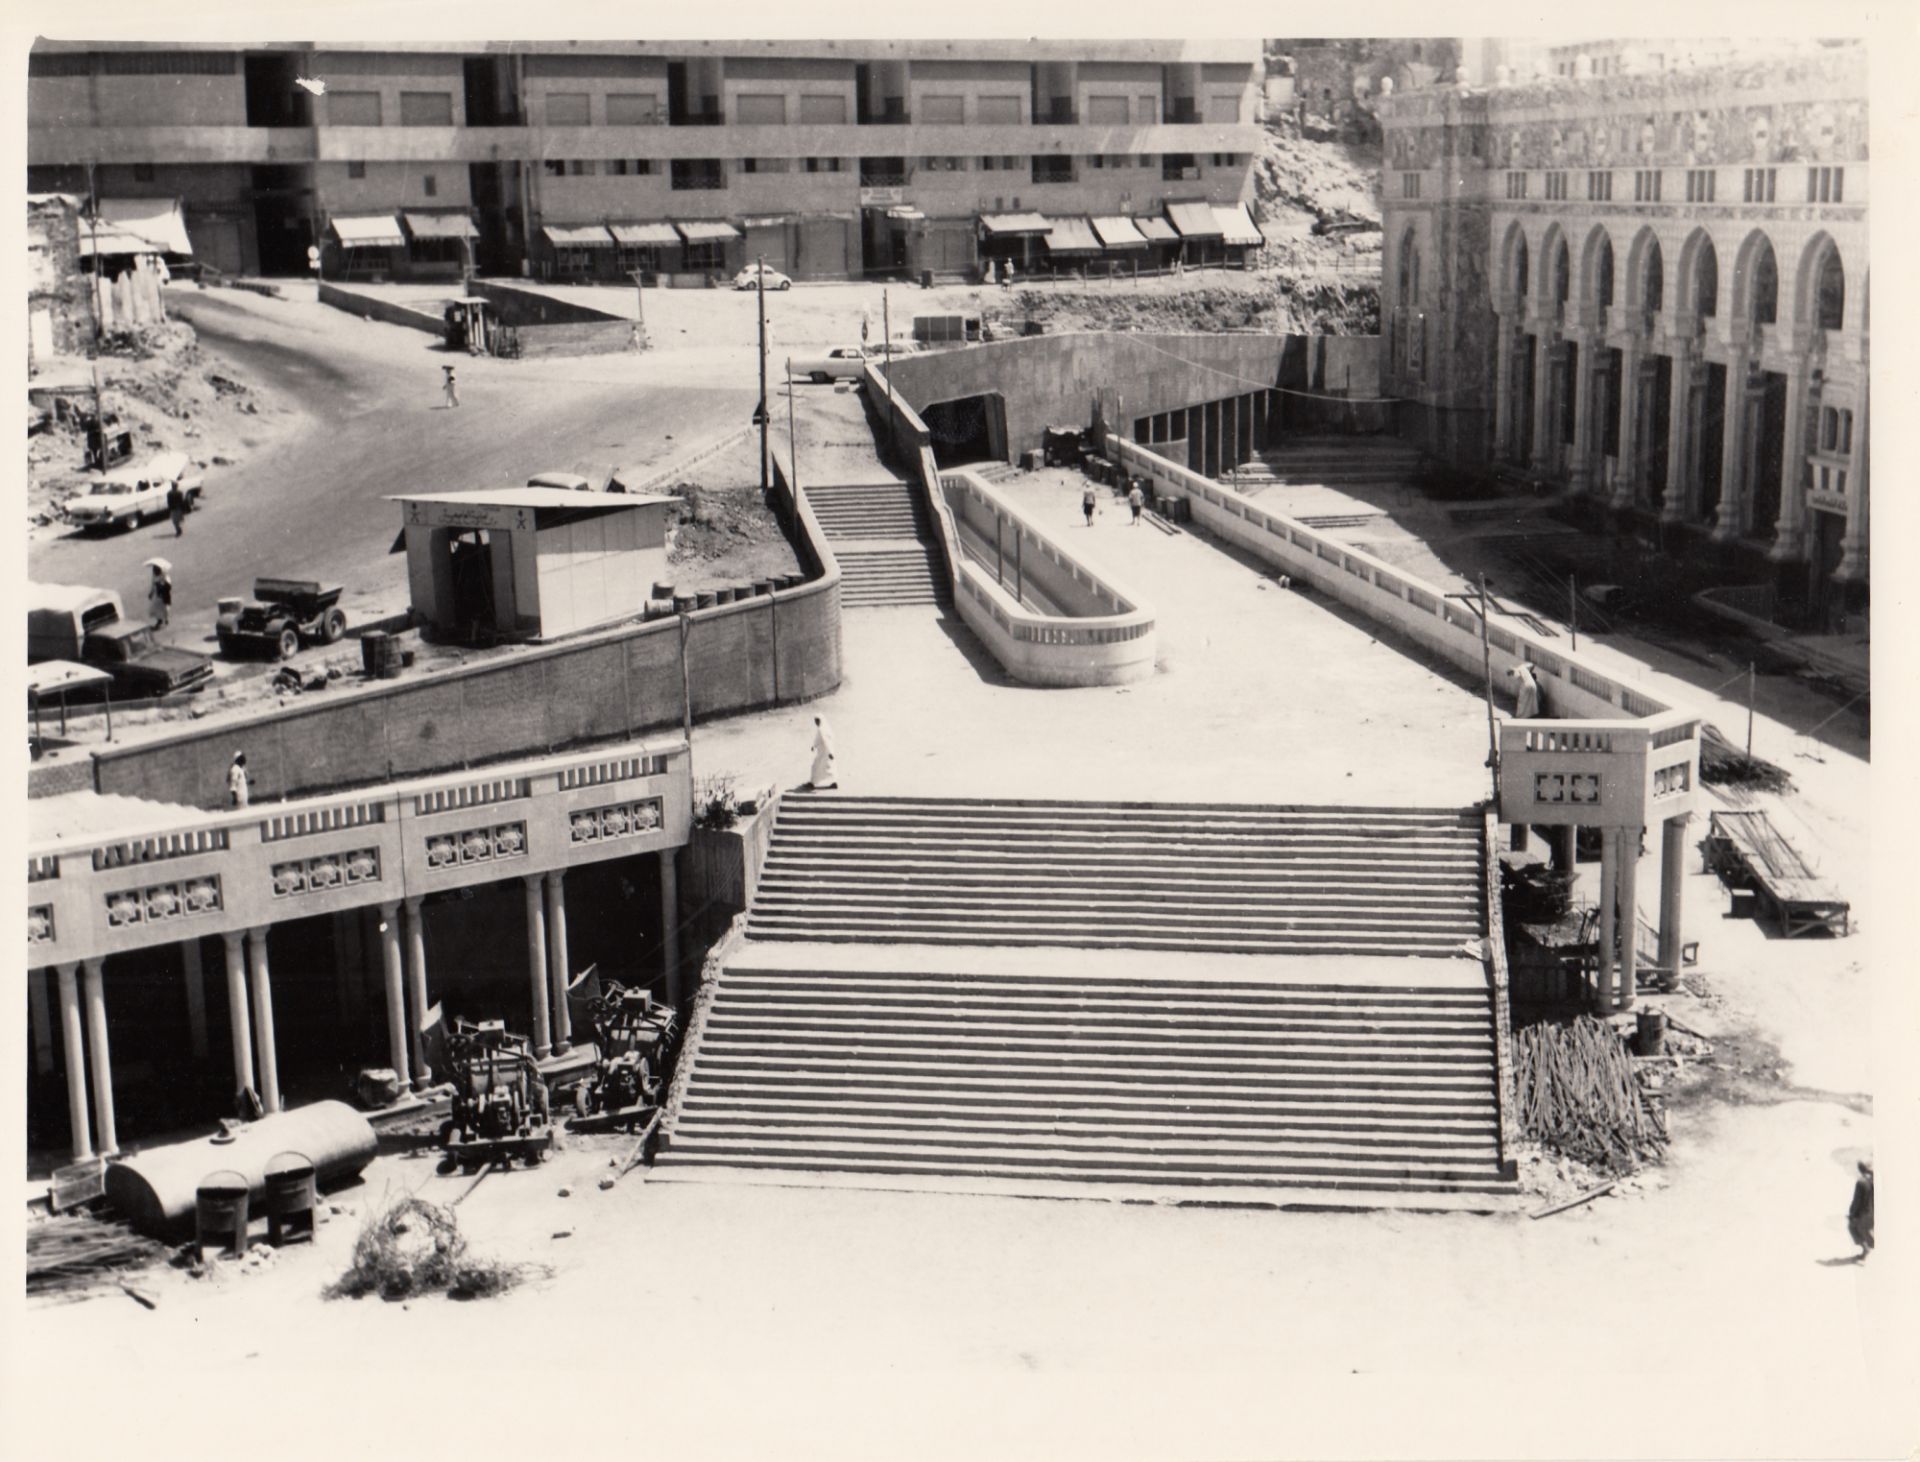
x: 1573, y: 609
x: 760, y: 296
x: 93, y: 233
x: 1486, y: 658
x: 793, y: 444
x: 1750, y: 690
x: 638, y: 276
x: 886, y: 347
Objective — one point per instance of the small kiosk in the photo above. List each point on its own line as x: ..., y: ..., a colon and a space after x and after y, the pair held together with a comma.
x: 531, y: 563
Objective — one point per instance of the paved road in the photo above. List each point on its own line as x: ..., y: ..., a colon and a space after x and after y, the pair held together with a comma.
x: 312, y: 504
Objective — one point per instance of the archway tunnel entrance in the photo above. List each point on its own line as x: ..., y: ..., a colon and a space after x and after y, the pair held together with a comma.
x: 970, y: 429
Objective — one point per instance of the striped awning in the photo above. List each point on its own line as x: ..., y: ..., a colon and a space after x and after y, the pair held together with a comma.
x: 367, y: 231
x: 1006, y: 225
x: 1156, y: 230
x: 578, y: 235
x: 706, y: 231
x: 644, y: 233
x: 1194, y: 220
x: 1071, y: 236
x: 1119, y: 233
x: 440, y: 226
x: 1238, y: 227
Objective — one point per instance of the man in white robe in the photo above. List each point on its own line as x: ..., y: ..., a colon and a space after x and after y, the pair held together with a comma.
x: 824, y: 776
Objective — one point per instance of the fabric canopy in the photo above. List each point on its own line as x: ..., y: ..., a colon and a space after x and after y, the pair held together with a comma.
x: 1194, y: 220
x: 905, y: 211
x: 1156, y: 231
x: 703, y: 231
x: 366, y: 230
x: 1236, y: 227
x: 644, y: 233
x: 51, y: 677
x: 1071, y: 236
x: 1119, y: 233
x: 578, y: 236
x: 440, y: 226
x: 109, y: 242
x: 1005, y: 224
x: 157, y: 220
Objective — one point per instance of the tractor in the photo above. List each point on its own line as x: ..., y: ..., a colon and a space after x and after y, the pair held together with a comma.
x: 500, y: 1103
x: 631, y: 1032
x: 282, y: 616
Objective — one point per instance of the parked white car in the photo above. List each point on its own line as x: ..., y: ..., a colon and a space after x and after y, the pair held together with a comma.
x: 135, y: 494
x: 847, y: 363
x: 775, y: 279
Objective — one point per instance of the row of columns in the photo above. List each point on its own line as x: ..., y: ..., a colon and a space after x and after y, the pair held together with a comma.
x: 249, y: 982
x: 1219, y: 435
x: 1616, y: 978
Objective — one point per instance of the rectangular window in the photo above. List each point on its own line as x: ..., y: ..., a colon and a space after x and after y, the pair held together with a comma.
x: 1826, y: 185
x: 581, y: 167
x: 167, y: 63
x: 765, y: 164
x: 1700, y: 185
x: 1107, y: 111
x: 828, y: 110
x: 1557, y: 187
x: 1759, y: 185
x: 353, y: 109
x: 1600, y: 187
x: 826, y: 164
x: 1646, y: 185
x: 1049, y: 169
x: 632, y: 109
x: 60, y: 63
x: 430, y: 185
x: 554, y: 167
x: 567, y: 109
x: 697, y: 173
x: 1146, y: 110
x: 943, y: 111
x: 944, y: 164
x: 1223, y: 107
x: 996, y: 110
x: 1409, y: 185
x: 356, y: 170
x: 754, y: 109
x: 426, y: 109
x: 1000, y: 164
x: 617, y: 167
x: 1516, y: 185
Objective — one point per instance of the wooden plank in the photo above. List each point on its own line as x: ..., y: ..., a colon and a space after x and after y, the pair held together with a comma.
x: 77, y: 1184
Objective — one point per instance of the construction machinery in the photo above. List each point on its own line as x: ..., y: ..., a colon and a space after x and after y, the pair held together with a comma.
x: 500, y: 1103
x: 631, y: 1032
x: 282, y: 616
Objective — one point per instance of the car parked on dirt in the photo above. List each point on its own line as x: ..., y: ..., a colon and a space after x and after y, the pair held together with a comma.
x: 88, y: 627
x: 748, y: 278
x: 848, y: 363
x: 133, y: 495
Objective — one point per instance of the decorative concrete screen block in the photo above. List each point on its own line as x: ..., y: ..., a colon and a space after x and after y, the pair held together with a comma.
x: 1566, y: 787
x: 627, y: 820
x: 477, y: 845
x: 163, y: 901
x: 40, y: 924
x: 326, y: 871
x: 44, y: 867
x: 1670, y: 781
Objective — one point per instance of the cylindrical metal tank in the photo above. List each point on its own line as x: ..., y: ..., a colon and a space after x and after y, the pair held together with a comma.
x: 155, y: 1189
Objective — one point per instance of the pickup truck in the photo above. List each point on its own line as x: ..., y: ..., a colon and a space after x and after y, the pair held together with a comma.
x: 130, y: 496
x: 66, y: 622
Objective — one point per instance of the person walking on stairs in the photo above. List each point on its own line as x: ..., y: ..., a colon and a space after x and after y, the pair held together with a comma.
x: 1136, y: 500
x: 824, y: 777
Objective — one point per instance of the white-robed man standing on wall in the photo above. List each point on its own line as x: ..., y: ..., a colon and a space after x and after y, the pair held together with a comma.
x: 824, y: 777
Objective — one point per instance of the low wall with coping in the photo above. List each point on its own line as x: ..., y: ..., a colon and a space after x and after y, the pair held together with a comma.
x: 393, y: 312
x: 1113, y: 645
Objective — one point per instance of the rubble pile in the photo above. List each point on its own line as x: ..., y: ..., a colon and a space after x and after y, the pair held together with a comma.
x: 1579, y: 1095
x: 413, y: 1248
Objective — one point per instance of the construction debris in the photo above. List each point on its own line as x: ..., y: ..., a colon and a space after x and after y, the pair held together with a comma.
x: 1578, y: 1094
x: 75, y: 1254
x: 1722, y: 764
x: 414, y: 1248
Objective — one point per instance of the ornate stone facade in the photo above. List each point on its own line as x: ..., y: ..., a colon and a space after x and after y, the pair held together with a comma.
x: 1650, y: 289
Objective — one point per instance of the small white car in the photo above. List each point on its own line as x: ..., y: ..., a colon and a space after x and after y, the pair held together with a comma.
x: 747, y: 278
x: 132, y: 495
x: 848, y: 363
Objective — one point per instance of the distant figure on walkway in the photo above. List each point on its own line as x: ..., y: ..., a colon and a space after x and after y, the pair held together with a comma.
x: 160, y: 598
x: 238, y: 792
x: 1136, y: 500
x: 1526, y: 693
x: 177, y: 508
x: 824, y: 777
x: 1860, y: 1214
x: 1006, y: 275
x: 1087, y: 503
x: 452, y: 387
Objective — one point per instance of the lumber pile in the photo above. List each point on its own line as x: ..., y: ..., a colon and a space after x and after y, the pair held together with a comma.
x: 74, y: 1255
x: 1578, y: 1094
x: 1722, y: 764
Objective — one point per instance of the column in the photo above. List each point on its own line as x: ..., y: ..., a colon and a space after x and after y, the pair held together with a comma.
x: 394, y: 984
x: 537, y: 966
x: 417, y: 993
x: 1853, y: 564
x: 670, y: 930
x: 1563, y: 842
x: 263, y: 1039
x: 1517, y: 837
x: 558, y: 966
x: 196, y: 978
x: 1608, y: 922
x: 1673, y: 845
x: 1729, y: 518
x: 1540, y: 428
x: 1677, y: 506
x: 105, y: 1141
x: 1624, y: 876
x: 1197, y: 439
x: 1788, y: 538
x: 40, y: 1018
x: 1585, y: 381
x: 1502, y: 385
x: 73, y: 1048
x: 237, y: 1011
x: 1627, y: 486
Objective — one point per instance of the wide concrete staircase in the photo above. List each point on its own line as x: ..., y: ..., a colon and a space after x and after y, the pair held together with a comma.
x: 1231, y: 880
x: 880, y: 535
x: 1336, y: 461
x: 1058, y: 997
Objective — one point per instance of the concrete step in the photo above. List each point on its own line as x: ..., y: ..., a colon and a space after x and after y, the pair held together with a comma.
x: 1025, y: 939
x: 801, y: 1103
